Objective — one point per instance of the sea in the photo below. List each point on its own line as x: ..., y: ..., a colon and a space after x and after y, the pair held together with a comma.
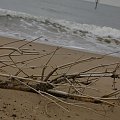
x: 74, y: 24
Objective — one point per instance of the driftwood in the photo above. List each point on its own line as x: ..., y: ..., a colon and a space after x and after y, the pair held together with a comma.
x: 84, y: 75
x: 54, y: 84
x: 47, y: 87
x: 12, y: 48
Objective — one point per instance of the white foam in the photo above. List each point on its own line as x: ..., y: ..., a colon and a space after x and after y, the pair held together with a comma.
x: 93, y: 29
x: 31, y: 27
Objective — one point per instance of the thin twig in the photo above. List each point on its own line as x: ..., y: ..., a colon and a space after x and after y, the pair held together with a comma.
x: 48, y: 63
x: 12, y: 42
x: 12, y: 48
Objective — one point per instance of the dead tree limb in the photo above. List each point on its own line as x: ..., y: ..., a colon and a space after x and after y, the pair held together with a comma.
x: 79, y: 97
x: 12, y: 48
x: 12, y: 42
x: 83, y: 75
x: 54, y: 83
x: 20, y: 78
x: 46, y: 88
x: 114, y: 93
x: 47, y: 64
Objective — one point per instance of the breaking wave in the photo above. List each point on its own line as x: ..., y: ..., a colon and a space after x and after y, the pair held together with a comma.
x: 59, y: 32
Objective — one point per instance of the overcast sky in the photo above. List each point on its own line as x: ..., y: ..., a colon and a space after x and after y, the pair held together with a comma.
x: 109, y: 2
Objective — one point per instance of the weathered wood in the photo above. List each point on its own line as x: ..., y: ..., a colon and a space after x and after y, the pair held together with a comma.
x: 83, y: 75
x: 12, y: 48
x: 49, y: 89
x: 79, y: 97
x: 23, y: 79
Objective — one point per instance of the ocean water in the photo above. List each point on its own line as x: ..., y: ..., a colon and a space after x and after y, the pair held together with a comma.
x: 69, y: 23
x: 108, y: 2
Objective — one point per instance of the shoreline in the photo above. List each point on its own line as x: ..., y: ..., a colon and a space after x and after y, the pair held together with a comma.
x: 66, y: 47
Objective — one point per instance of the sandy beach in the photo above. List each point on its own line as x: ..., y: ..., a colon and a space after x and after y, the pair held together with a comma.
x: 20, y: 105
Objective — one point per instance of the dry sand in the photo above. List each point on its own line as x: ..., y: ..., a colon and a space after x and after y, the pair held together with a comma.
x: 19, y: 105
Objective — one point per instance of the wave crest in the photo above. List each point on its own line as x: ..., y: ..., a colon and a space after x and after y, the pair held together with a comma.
x: 60, y: 32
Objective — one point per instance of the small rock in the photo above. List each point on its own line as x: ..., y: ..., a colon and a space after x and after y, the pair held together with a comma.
x: 14, y: 115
